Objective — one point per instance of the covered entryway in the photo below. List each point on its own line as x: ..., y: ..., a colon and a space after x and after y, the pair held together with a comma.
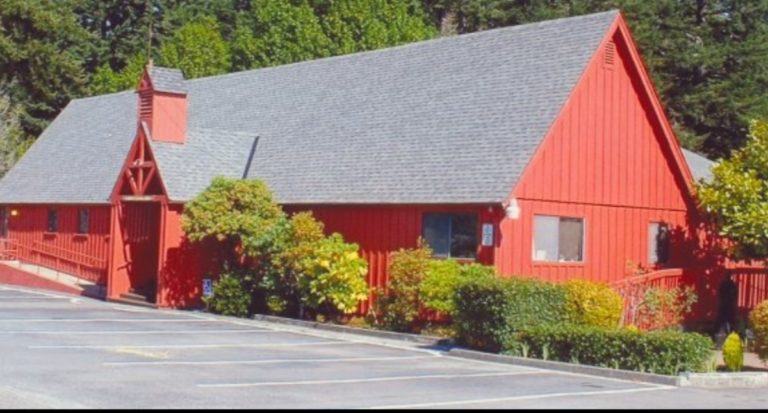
x: 138, y: 201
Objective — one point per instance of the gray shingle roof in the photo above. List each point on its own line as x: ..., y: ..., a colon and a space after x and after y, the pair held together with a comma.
x: 451, y: 120
x: 167, y: 80
x: 701, y: 167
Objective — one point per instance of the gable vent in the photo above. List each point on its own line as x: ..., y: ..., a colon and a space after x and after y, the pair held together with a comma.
x: 145, y: 105
x: 609, y: 58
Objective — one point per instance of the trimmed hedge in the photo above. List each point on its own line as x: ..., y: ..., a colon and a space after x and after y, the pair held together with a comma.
x: 660, y: 352
x: 490, y: 310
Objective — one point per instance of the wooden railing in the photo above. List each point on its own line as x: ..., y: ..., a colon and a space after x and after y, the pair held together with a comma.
x: 632, y: 289
x: 60, y: 259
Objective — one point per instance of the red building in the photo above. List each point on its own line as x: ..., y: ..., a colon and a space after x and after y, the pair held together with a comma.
x: 541, y: 149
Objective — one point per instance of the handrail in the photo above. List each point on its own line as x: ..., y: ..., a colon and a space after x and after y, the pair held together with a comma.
x: 649, y: 277
x: 69, y: 255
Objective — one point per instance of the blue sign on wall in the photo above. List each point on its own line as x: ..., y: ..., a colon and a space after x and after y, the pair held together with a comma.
x: 207, y: 287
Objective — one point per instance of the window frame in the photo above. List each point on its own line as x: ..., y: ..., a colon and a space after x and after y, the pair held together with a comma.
x: 477, y: 234
x: 52, y: 224
x: 580, y: 262
x: 659, y: 224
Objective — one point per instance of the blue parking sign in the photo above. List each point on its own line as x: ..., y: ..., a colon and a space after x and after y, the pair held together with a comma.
x: 207, y: 287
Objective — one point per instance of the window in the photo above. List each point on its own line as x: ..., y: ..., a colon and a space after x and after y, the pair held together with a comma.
x: 451, y: 235
x: 3, y: 222
x: 558, y: 239
x: 83, y: 220
x: 53, y: 220
x: 658, y: 243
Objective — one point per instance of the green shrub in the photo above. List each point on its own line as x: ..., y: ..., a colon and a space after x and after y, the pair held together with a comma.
x: 490, y: 310
x: 230, y: 296
x: 664, y: 309
x: 733, y: 352
x: 441, y: 280
x: 661, y: 352
x: 400, y: 304
x: 333, y: 279
x: 758, y: 318
x: 592, y: 304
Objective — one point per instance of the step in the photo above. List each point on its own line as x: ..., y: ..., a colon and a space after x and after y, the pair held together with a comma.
x: 136, y: 296
x: 129, y: 301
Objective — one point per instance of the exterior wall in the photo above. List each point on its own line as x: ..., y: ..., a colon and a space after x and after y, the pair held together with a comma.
x: 169, y: 117
x: 604, y: 160
x: 29, y: 228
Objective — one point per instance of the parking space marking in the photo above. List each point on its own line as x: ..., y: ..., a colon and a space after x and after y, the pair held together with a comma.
x: 251, y: 362
x: 103, y: 320
x: 370, y: 380
x: 137, y: 332
x: 192, y: 346
x: 518, y: 398
x: 30, y: 297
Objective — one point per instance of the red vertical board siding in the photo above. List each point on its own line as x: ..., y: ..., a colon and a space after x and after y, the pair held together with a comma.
x: 30, y: 229
x: 605, y: 159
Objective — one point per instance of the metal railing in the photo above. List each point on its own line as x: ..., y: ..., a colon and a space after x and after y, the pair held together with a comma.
x: 78, y: 264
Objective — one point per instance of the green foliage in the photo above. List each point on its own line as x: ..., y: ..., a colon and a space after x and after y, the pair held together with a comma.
x: 334, y: 277
x: 231, y: 296
x: 665, y: 309
x: 400, y: 304
x: 241, y: 213
x: 354, y: 25
x: 438, y: 289
x: 277, y: 32
x: 106, y: 80
x: 758, y: 319
x: 198, y: 49
x: 490, y: 310
x: 733, y: 352
x: 592, y: 304
x: 12, y: 144
x: 736, y: 199
x: 660, y: 352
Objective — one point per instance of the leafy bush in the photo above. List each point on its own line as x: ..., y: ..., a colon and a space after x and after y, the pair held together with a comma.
x: 661, y: 352
x: 400, y: 304
x: 733, y: 352
x: 758, y: 318
x: 231, y: 296
x: 592, y: 304
x: 438, y: 289
x: 490, y: 310
x: 663, y: 309
x: 334, y: 277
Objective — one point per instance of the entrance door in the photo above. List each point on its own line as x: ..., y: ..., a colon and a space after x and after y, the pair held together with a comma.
x: 141, y: 221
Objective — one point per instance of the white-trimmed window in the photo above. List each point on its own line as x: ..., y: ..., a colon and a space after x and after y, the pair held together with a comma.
x: 658, y: 243
x: 558, y: 239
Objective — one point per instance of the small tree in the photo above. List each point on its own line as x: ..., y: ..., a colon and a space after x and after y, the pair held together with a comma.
x: 736, y: 199
x: 400, y: 303
x: 198, y: 49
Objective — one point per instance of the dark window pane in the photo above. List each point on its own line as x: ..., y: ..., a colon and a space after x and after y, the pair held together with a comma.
x: 4, y: 222
x: 463, y: 236
x: 53, y: 220
x: 436, y: 231
x: 658, y: 243
x: 571, y: 239
x: 83, y: 221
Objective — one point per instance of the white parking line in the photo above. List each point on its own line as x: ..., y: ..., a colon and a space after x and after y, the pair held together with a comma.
x: 30, y: 298
x: 518, y: 398
x: 369, y: 380
x: 102, y: 332
x: 103, y: 320
x: 192, y: 346
x: 251, y: 362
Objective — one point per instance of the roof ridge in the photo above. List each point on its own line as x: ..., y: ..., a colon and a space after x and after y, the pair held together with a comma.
x: 411, y: 44
x: 103, y: 95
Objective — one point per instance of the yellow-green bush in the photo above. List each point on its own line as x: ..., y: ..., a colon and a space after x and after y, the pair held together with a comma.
x: 592, y: 304
x: 759, y: 321
x: 733, y: 352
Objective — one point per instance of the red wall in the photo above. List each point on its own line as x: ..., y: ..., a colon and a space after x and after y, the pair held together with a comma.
x: 30, y: 229
x: 605, y: 160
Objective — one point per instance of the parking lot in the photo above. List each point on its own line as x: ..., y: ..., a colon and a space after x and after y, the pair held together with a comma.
x: 58, y: 351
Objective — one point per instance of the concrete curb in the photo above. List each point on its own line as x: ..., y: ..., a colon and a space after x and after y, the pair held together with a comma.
x: 566, y: 367
x: 724, y: 380
x: 335, y: 328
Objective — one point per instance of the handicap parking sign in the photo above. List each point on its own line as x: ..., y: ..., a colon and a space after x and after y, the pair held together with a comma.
x: 207, y: 287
